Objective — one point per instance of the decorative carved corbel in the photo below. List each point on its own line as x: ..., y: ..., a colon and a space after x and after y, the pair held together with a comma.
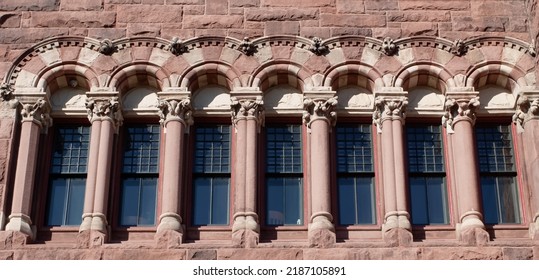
x: 247, y: 47
x: 314, y: 109
x: 38, y: 112
x: 389, y: 47
x: 106, y: 47
x: 317, y: 47
x: 247, y: 108
x: 177, y: 47
x: 5, y: 91
x: 388, y: 108
x: 104, y: 108
x: 459, y: 48
x: 456, y: 109
x: 176, y: 109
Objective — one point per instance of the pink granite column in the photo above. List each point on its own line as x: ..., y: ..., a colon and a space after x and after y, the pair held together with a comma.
x: 527, y: 119
x: 459, y: 121
x: 319, y: 116
x: 389, y: 116
x: 175, y: 118
x: 105, y: 115
x: 35, y: 118
x: 247, y: 117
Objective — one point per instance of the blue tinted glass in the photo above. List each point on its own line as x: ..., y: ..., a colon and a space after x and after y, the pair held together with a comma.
x: 356, y: 200
x: 75, y: 202
x: 141, y: 149
x: 354, y: 148
x: 212, y: 149
x: 57, y: 202
x: 148, y: 198
x: 490, y: 205
x: 70, y: 150
x: 495, y: 148
x: 283, y: 149
x: 424, y: 148
x: 418, y: 197
x: 500, y: 200
x: 347, y: 201
x: 130, y: 201
x: 293, y: 202
x: 202, y: 201
x: 365, y: 201
x: 428, y: 200
x: 220, y: 201
x: 275, y: 201
x: 284, y: 201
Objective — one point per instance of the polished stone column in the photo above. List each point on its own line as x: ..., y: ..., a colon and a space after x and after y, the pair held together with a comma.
x: 35, y: 119
x: 389, y: 117
x: 247, y: 116
x: 104, y: 112
x: 459, y: 121
x: 176, y: 117
x: 527, y: 120
x: 319, y: 116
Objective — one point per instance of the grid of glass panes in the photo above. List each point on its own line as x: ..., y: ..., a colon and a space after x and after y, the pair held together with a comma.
x: 428, y: 192
x: 140, y: 175
x: 284, y: 183
x: 498, y: 174
x: 68, y: 175
x: 355, y: 175
x: 211, y: 175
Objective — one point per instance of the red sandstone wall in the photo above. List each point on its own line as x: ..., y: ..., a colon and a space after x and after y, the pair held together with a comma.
x: 25, y: 22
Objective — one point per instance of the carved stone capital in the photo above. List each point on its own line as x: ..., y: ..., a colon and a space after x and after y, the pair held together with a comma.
x: 457, y: 109
x: 389, y: 108
x: 247, y: 108
x: 176, y: 109
x: 37, y: 112
x: 104, y: 108
x: 319, y: 109
x: 527, y: 109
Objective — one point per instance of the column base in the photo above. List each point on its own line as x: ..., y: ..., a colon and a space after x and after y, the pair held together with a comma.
x: 13, y: 239
x: 2, y: 220
x: 471, y: 230
x: 170, y: 221
x: 321, y: 231
x: 21, y: 223
x: 86, y: 222
x: 396, y: 237
x: 91, y: 239
x: 99, y: 223
x: 534, y: 228
x: 245, y: 230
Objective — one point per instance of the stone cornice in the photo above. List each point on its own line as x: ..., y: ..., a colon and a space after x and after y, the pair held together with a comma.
x: 460, y: 106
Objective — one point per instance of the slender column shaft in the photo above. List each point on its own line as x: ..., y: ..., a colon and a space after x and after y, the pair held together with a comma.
x: 400, y: 172
x: 89, y: 194
x: 388, y: 169
x: 173, y: 167
x: 531, y: 157
x: 320, y: 171
x: 251, y: 166
x: 241, y: 166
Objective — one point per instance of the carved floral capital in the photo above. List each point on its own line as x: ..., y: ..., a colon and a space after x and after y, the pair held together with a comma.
x: 527, y: 109
x: 319, y: 109
x: 247, y: 108
x: 104, y: 108
x: 459, y: 109
x: 388, y: 108
x: 176, y: 110
x: 37, y: 112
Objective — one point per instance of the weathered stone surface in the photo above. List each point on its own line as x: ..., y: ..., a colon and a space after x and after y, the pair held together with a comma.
x: 29, y: 35
x: 414, y: 16
x: 381, y: 5
x: 466, y: 253
x: 350, y: 7
x: 201, y: 254
x: 72, y: 19
x: 81, y: 5
x: 149, y: 13
x: 206, y: 22
x: 419, y: 29
x: 29, y: 5
x: 142, y: 29
x: 260, y: 254
x: 261, y: 14
x: 352, y: 20
x: 282, y: 27
x: 517, y: 253
x: 244, y: 3
x: 485, y: 24
x: 497, y: 7
x: 57, y: 254
x: 144, y: 254
x: 434, y: 5
x: 107, y: 33
x: 216, y: 7
x: 10, y: 20
x: 185, y: 2
x: 298, y: 3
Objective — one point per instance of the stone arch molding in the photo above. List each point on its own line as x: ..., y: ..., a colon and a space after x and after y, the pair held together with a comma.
x: 245, y: 63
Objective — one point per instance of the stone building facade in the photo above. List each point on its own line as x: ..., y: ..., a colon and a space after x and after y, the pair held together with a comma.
x: 269, y: 129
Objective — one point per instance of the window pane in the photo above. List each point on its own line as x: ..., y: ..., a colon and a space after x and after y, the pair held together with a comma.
x: 495, y: 149
x: 356, y: 201
x: 141, y: 149
x: 148, y: 198
x: 293, y: 202
x: 275, y: 201
x: 212, y: 149
x: 284, y: 201
x: 57, y: 202
x: 130, y: 200
x: 418, y: 197
x: 347, y: 201
x: 220, y: 201
x: 283, y: 149
x: 75, y: 203
x: 354, y: 148
x: 365, y: 201
x: 202, y: 201
x: 70, y: 151
x: 424, y: 148
x: 436, y: 199
x: 500, y: 200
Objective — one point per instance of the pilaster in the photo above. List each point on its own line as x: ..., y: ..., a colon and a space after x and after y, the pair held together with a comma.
x: 459, y: 121
x: 34, y: 115
x: 176, y: 117
x: 247, y: 115
x: 389, y: 117
x: 319, y: 116
x: 527, y: 120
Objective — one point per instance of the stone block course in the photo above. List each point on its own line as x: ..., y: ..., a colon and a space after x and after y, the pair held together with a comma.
x: 29, y: 5
x: 72, y: 19
x: 415, y: 16
x: 81, y: 5
x: 350, y: 7
x: 206, y: 22
x: 381, y: 5
x: 298, y: 3
x: 244, y: 3
x: 261, y: 14
x: 10, y: 20
x: 434, y: 5
x: 216, y: 7
x: 352, y: 20
x: 149, y: 13
x: 282, y: 27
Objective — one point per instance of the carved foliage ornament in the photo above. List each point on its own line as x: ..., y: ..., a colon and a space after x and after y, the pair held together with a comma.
x: 106, y: 47
x: 389, y: 47
x: 388, y: 108
x: 176, y: 109
x: 319, y: 109
x: 456, y: 109
x: 5, y: 91
x: 526, y: 109
x: 247, y: 47
x: 177, y: 47
x: 459, y: 49
x: 317, y: 47
x: 247, y: 108
x: 37, y: 112
x: 104, y: 108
